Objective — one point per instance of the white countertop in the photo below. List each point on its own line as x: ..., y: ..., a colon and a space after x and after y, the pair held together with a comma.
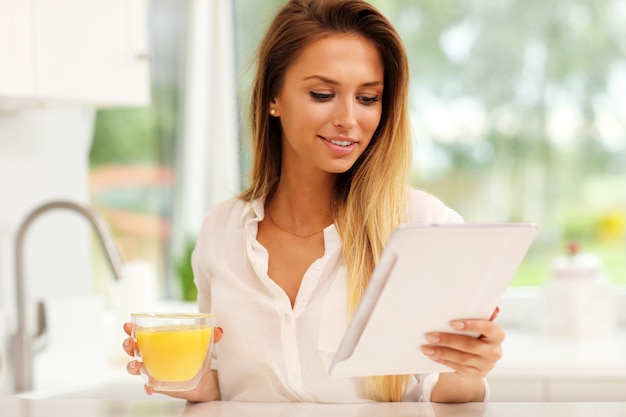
x: 527, y: 356
x: 15, y: 407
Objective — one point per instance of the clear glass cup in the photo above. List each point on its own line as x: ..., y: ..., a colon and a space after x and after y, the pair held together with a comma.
x: 175, y: 348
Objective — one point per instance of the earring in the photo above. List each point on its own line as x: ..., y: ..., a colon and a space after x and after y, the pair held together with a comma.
x: 273, y: 112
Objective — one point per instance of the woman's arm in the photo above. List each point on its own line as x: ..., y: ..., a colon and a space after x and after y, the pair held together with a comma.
x: 453, y: 388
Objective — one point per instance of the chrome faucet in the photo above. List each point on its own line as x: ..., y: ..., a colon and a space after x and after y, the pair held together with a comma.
x: 24, y: 340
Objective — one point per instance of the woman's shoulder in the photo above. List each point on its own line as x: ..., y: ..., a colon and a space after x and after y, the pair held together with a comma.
x: 228, y: 205
x: 226, y: 212
x: 425, y: 208
x: 221, y: 223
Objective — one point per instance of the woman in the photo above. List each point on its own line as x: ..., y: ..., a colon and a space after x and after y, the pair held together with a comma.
x: 284, y: 264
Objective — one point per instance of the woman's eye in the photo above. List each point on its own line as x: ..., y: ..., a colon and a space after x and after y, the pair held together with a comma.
x: 320, y: 96
x: 368, y: 100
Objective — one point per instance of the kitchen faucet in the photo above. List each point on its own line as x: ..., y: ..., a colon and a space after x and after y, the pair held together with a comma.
x: 24, y: 340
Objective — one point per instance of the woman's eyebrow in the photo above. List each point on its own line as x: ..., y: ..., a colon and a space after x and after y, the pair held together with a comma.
x: 333, y: 82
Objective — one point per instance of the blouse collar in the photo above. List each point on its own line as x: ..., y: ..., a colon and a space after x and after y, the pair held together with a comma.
x: 254, y: 212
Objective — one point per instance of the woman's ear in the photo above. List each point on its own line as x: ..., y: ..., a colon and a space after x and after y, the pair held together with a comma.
x: 273, y: 110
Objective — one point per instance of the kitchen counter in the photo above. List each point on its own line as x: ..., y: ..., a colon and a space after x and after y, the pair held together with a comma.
x: 537, y: 368
x: 529, y: 355
x: 16, y: 407
x: 533, y: 369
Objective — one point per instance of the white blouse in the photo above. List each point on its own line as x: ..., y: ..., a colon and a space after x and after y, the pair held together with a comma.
x: 271, y: 351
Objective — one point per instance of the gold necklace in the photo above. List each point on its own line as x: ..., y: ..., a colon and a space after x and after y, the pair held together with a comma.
x: 269, y: 216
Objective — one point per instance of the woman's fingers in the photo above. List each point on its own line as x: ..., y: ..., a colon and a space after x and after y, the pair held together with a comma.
x: 129, y: 346
x: 472, y: 357
x: 495, y: 313
x: 134, y: 367
x: 217, y: 334
x: 487, y: 329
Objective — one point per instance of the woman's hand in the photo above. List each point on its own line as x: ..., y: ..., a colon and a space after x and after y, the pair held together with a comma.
x: 207, y: 389
x: 471, y: 358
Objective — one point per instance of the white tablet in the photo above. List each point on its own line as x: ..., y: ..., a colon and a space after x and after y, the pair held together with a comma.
x: 426, y: 277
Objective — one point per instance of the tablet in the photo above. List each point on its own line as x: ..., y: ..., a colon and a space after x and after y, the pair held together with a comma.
x: 426, y: 277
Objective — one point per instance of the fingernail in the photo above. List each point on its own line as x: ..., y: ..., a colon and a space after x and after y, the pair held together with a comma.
x: 428, y: 351
x: 127, y: 342
x: 132, y: 365
x: 457, y: 325
x: 432, y: 338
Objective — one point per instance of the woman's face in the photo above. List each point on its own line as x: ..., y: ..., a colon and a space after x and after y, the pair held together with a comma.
x: 330, y: 104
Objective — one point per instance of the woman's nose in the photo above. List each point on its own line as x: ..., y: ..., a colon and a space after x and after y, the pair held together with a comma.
x: 345, y: 114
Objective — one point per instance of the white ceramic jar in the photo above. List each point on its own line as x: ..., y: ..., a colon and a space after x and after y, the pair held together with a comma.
x: 577, y: 301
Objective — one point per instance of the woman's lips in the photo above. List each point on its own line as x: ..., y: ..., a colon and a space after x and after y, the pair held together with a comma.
x: 339, y: 144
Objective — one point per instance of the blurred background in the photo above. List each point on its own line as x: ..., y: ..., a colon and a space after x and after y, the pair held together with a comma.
x: 518, y: 109
x: 138, y: 109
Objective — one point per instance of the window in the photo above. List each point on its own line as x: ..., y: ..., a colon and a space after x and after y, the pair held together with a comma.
x: 155, y: 171
x: 133, y: 159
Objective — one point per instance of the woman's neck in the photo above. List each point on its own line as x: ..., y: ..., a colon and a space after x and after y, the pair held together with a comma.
x: 301, y: 206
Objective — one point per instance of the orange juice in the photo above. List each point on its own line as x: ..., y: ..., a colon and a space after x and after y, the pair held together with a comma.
x: 173, y: 354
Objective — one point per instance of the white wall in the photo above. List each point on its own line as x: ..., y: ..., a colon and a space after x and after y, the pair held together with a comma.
x: 43, y: 156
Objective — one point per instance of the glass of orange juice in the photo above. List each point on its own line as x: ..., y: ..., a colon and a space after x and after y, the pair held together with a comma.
x: 175, y: 348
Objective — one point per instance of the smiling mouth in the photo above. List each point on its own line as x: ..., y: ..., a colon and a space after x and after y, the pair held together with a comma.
x: 342, y: 143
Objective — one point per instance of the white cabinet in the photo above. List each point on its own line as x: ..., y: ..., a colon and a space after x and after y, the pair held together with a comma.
x: 16, y: 58
x: 89, y: 51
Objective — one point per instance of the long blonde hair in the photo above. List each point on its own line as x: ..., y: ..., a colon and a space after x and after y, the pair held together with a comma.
x: 369, y: 200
